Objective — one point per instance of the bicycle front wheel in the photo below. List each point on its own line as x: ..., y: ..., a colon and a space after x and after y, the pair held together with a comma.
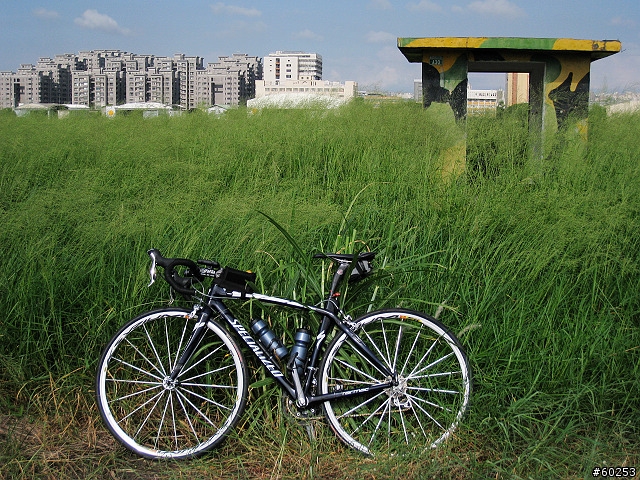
x: 154, y: 416
x: 432, y: 391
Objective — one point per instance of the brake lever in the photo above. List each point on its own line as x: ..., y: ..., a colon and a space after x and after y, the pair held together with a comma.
x: 152, y: 270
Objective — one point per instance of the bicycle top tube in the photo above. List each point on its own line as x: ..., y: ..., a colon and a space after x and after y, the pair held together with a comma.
x: 277, y: 301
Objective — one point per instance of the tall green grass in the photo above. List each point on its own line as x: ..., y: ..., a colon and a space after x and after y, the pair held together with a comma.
x: 536, y: 261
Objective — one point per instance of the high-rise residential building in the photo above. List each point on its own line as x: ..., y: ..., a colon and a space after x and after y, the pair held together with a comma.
x: 283, y: 65
x: 29, y: 82
x: 98, y: 78
x: 7, y: 90
x: 234, y: 78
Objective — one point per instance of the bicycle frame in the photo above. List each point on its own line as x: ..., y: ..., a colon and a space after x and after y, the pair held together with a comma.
x: 163, y: 395
x: 215, y: 305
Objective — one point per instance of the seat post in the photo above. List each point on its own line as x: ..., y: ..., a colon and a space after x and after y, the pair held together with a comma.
x: 337, y: 277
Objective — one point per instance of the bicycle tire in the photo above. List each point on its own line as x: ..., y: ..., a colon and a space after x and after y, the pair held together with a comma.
x: 156, y: 418
x: 432, y: 395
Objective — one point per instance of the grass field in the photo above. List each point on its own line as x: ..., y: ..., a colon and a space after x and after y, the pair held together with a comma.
x: 536, y: 261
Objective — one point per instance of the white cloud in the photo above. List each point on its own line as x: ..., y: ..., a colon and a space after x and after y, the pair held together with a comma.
x: 380, y: 5
x: 93, y: 20
x: 46, y: 14
x: 424, y: 6
x: 496, y: 7
x: 622, y: 22
x: 239, y: 29
x: 224, y: 9
x: 308, y: 35
x: 380, y: 37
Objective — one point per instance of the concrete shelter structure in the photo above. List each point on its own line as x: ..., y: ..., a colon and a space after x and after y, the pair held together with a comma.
x: 558, y: 68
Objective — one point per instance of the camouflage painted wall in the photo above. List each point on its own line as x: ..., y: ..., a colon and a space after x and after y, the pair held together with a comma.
x: 564, y: 63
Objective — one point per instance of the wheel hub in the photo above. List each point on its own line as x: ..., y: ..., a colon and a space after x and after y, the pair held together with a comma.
x: 398, y: 394
x: 169, y: 384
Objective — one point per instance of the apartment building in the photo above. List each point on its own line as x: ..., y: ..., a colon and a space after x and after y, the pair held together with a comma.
x: 234, y: 78
x: 7, y: 92
x: 344, y: 91
x: 282, y: 65
x: 98, y: 78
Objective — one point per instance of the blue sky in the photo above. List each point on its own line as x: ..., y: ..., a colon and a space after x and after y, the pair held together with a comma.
x: 357, y: 39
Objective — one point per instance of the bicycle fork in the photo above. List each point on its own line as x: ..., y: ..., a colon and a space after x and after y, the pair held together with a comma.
x: 197, y: 334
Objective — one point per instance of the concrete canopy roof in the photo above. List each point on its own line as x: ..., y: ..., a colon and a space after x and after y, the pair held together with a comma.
x: 412, y: 48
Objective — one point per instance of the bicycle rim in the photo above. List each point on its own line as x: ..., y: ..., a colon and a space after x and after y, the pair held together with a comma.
x: 155, y: 417
x: 432, y: 391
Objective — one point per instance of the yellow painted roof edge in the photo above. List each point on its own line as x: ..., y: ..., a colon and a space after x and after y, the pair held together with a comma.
x: 558, y: 44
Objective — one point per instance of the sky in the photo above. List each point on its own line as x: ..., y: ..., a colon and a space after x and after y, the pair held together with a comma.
x: 356, y: 39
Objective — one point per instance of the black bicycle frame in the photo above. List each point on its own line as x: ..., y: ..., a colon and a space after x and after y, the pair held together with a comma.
x: 329, y: 319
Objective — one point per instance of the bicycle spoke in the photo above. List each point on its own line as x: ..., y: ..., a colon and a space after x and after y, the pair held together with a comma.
x: 164, y: 413
x: 434, y: 390
x: 136, y: 382
x: 375, y: 347
x: 342, y: 362
x: 179, y: 349
x: 210, y: 372
x: 208, y: 400
x: 387, y: 406
x: 153, y: 365
x: 426, y: 354
x: 148, y: 416
x: 153, y: 347
x: 433, y: 364
x: 434, y: 375
x: 395, y: 355
x: 357, y: 407
x: 413, y: 346
x: 180, y: 394
x: 431, y: 404
x: 134, y: 394
x: 166, y: 336
x: 173, y: 420
x: 208, y: 355
x: 159, y: 394
x: 430, y: 416
x: 186, y: 415
x: 369, y: 417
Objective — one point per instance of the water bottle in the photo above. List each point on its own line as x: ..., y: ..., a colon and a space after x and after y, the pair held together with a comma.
x: 298, y: 354
x: 268, y: 339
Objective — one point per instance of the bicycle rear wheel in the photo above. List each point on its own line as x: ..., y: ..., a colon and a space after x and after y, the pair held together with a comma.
x: 159, y: 418
x: 432, y: 394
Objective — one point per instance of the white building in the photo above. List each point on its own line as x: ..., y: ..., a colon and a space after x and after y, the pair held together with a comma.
x: 482, y: 101
x: 281, y: 66
x: 344, y: 91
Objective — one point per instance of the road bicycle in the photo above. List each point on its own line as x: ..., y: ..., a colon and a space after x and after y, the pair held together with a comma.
x: 173, y: 382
